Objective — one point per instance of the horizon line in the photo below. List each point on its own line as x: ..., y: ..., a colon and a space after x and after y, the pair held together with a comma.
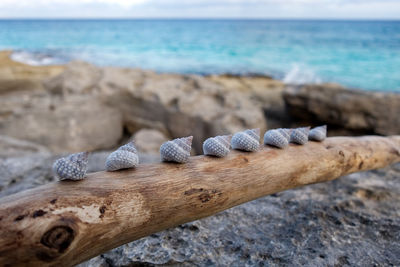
x: 197, y: 18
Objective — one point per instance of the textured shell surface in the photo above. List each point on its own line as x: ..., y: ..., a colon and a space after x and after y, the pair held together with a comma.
x: 248, y: 140
x: 72, y: 167
x: 177, y: 150
x: 217, y: 146
x: 299, y: 135
x: 276, y: 137
x: 285, y: 132
x: 124, y: 157
x: 318, y: 133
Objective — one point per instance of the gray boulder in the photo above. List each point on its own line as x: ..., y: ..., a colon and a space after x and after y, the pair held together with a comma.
x: 355, y: 110
x: 72, y: 124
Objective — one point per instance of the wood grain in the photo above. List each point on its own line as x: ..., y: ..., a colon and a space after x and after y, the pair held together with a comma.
x: 64, y: 223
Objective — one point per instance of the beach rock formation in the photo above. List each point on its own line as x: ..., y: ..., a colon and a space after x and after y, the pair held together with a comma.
x: 15, y: 76
x: 358, y: 111
x: 176, y: 105
x: 149, y: 141
x: 72, y: 124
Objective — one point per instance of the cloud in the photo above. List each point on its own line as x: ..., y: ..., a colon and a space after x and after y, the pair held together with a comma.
x: 202, y: 8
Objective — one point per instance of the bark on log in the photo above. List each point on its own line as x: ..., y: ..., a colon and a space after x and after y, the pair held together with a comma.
x: 64, y: 223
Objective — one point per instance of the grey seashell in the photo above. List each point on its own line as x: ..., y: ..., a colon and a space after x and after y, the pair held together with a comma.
x: 124, y: 157
x: 248, y: 140
x: 299, y: 135
x: 177, y: 150
x: 285, y: 132
x: 317, y: 133
x: 217, y: 146
x: 277, y: 138
x: 72, y: 167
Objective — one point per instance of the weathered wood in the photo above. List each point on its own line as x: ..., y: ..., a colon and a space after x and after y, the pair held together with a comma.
x: 65, y: 223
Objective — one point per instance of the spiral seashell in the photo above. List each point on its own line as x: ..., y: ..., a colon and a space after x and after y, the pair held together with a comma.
x: 177, y: 150
x: 317, y: 133
x: 72, y: 167
x: 124, y: 157
x: 248, y: 140
x: 285, y: 132
x: 299, y: 135
x: 217, y: 146
x: 277, y: 138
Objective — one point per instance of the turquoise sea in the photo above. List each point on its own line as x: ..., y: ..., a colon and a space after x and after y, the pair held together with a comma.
x: 358, y: 54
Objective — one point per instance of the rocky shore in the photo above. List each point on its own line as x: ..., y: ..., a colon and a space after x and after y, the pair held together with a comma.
x: 46, y: 111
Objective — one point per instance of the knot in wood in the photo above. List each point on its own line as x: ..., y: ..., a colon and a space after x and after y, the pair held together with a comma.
x: 58, y: 238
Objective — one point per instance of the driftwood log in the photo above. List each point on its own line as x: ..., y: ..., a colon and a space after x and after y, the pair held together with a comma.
x: 64, y: 223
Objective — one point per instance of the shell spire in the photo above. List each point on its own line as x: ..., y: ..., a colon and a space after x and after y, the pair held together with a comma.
x: 248, y: 140
x: 177, y: 150
x: 217, y: 146
x: 124, y: 157
x: 72, y: 167
x: 318, y: 133
x: 277, y: 138
x: 299, y: 135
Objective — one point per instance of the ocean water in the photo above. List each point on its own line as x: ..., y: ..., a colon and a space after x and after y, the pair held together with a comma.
x: 358, y: 54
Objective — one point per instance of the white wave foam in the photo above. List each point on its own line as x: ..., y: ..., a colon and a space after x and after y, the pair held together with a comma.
x: 34, y: 59
x: 300, y: 74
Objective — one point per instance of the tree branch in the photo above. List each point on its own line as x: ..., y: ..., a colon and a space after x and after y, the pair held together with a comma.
x: 64, y: 223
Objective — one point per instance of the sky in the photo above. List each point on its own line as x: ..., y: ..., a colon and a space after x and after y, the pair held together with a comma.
x: 268, y: 9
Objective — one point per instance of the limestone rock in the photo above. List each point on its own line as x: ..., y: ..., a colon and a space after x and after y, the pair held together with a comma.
x: 15, y: 76
x: 149, y: 141
x: 11, y: 147
x: 77, y: 78
x: 356, y: 110
x: 178, y: 105
x: 73, y: 124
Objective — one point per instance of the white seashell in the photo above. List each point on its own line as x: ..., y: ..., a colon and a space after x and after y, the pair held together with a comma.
x: 277, y: 138
x: 124, y: 157
x: 177, y: 150
x: 317, y: 133
x: 299, y: 135
x: 217, y: 146
x: 248, y: 140
x: 72, y: 167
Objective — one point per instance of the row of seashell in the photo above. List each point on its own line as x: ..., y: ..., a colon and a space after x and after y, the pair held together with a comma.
x: 73, y: 167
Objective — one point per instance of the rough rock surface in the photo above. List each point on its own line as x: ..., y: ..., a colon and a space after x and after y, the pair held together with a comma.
x: 353, y: 221
x: 149, y: 141
x: 24, y: 165
x: 94, y: 98
x: 15, y: 76
x: 73, y: 124
x: 11, y: 147
x: 356, y: 110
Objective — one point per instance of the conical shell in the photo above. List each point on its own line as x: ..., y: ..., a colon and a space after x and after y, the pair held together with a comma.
x: 248, y: 140
x: 285, y: 132
x: 72, y: 167
x: 177, y: 150
x: 317, y: 133
x: 124, y: 157
x: 277, y: 138
x: 217, y: 146
x: 299, y: 135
